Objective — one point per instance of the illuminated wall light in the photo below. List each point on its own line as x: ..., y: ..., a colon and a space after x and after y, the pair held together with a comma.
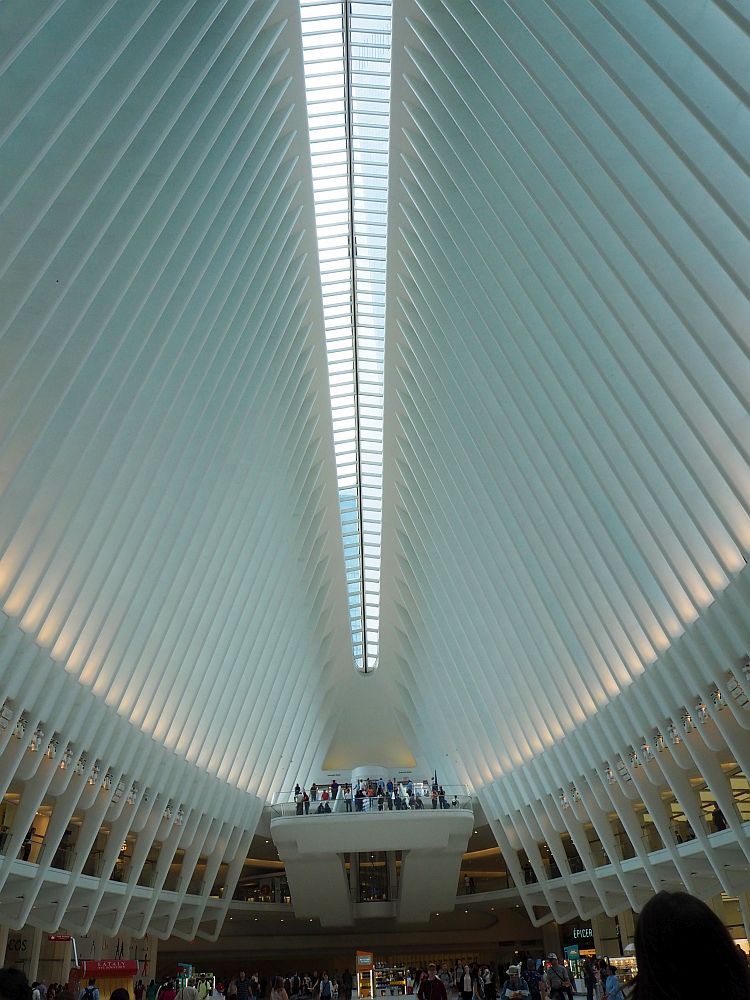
x: 702, y: 713
x: 37, y: 739
x: 66, y: 757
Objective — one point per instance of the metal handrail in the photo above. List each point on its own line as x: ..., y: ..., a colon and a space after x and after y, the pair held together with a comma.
x: 370, y: 806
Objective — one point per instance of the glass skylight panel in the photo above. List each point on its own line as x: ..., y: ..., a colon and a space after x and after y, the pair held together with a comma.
x: 347, y: 54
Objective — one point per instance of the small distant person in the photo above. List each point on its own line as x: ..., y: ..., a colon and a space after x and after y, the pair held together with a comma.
x: 14, y: 985
x: 91, y: 992
x: 26, y: 845
x: 672, y: 929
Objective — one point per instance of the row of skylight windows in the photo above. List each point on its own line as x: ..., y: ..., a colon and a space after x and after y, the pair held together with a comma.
x: 346, y: 46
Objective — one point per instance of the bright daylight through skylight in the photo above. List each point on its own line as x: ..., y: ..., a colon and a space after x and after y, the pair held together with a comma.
x: 347, y: 51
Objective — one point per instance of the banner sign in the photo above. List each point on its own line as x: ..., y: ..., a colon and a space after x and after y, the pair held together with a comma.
x: 112, y: 968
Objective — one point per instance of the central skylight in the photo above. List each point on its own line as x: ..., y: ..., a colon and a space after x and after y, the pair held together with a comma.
x: 347, y: 52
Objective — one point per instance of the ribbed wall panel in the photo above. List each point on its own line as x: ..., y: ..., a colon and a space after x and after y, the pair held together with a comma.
x: 566, y: 396
x: 170, y: 563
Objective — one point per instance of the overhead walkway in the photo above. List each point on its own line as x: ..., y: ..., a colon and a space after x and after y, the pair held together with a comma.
x: 419, y: 851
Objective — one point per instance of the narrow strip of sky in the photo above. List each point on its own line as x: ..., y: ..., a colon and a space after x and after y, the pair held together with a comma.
x: 347, y: 53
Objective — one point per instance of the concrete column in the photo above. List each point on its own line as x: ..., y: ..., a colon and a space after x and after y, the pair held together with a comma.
x: 744, y: 901
x: 66, y: 961
x: 3, y: 945
x: 36, y: 947
x: 605, y: 936
x: 551, y: 940
x: 626, y: 923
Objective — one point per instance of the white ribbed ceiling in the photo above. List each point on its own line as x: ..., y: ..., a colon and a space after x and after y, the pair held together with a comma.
x: 566, y: 467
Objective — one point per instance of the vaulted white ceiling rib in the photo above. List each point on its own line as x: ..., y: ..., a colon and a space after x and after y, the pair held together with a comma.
x: 566, y: 447
x: 347, y: 75
x: 565, y: 457
x: 169, y: 535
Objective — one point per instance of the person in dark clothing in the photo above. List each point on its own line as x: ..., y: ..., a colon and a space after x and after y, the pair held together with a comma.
x: 243, y: 987
x: 431, y: 988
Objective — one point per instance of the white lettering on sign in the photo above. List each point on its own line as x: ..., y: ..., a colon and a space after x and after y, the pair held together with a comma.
x: 582, y: 932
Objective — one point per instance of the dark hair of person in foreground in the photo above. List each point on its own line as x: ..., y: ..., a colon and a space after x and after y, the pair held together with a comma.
x: 14, y: 985
x: 677, y: 938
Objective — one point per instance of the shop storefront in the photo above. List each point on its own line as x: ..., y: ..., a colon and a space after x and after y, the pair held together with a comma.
x: 578, y: 945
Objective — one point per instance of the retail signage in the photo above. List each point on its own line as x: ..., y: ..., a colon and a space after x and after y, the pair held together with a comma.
x: 59, y: 937
x: 580, y: 933
x: 364, y: 961
x: 108, y: 968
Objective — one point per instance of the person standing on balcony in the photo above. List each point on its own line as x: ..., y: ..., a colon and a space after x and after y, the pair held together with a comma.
x: 313, y: 792
x: 334, y: 790
x: 441, y: 798
x: 348, y: 798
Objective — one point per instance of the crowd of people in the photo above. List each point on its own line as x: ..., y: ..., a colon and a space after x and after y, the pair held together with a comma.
x: 367, y: 796
x: 674, y: 931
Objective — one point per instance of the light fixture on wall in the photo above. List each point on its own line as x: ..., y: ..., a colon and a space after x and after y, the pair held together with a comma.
x: 674, y: 736
x: 660, y: 742
x: 717, y: 699
x: 53, y: 746
x: 95, y: 772
x: 108, y: 779
x: 66, y: 757
x: 36, y: 739
x: 687, y: 722
x: 702, y: 713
